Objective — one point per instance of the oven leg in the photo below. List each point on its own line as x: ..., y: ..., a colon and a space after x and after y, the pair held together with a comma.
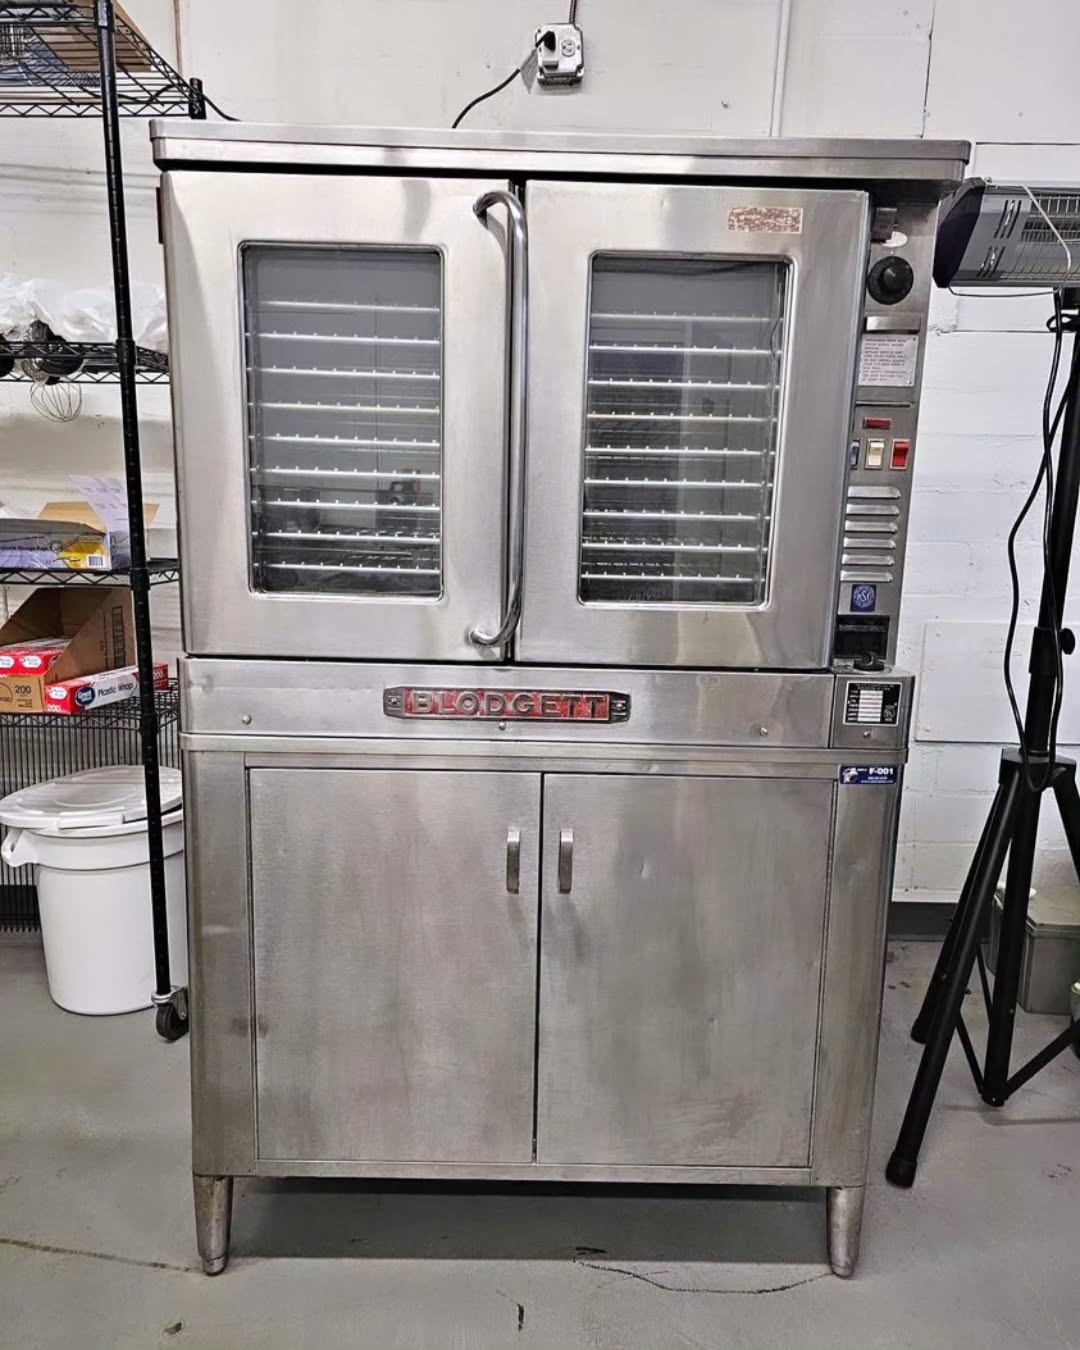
x: 213, y: 1217
x: 844, y: 1211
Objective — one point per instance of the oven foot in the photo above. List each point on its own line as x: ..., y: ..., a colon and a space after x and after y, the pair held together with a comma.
x: 844, y: 1211
x: 213, y: 1217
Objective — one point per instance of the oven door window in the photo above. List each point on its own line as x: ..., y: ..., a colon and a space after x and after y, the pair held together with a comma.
x: 343, y: 350
x: 685, y: 369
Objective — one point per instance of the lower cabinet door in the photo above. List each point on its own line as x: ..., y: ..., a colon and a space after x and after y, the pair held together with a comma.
x: 395, y: 926
x: 681, y: 951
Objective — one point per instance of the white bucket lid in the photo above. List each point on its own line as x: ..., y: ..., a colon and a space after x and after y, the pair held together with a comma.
x: 94, y: 797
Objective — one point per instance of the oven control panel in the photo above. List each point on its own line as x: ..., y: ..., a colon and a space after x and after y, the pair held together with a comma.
x: 881, y: 447
x: 874, y: 533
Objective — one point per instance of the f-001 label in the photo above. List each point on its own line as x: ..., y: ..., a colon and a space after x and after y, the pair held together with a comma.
x: 868, y: 775
x: 506, y: 705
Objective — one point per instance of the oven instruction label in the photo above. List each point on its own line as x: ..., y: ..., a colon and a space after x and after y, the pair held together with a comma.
x: 888, y: 360
x: 871, y: 704
x: 868, y: 775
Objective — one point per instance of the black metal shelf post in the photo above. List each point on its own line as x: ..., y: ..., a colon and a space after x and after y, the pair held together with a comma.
x: 171, y: 1002
x: 73, y: 59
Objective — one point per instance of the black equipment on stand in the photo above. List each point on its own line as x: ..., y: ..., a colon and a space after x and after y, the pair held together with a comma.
x: 1011, y: 236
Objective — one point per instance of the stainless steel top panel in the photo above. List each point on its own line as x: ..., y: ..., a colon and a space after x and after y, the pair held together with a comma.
x: 935, y: 164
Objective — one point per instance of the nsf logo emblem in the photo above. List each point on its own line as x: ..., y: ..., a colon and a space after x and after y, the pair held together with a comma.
x: 864, y: 599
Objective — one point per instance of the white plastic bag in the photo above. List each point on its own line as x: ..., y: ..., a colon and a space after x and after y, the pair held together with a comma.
x: 89, y: 314
x: 16, y: 310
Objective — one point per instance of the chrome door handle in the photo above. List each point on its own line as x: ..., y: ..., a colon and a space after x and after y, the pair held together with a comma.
x: 513, y: 861
x: 566, y: 861
x: 519, y: 450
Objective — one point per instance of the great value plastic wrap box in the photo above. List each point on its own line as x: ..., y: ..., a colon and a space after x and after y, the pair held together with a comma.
x: 79, y: 695
x: 91, y: 628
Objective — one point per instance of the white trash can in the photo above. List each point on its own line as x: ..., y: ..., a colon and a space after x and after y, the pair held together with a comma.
x: 86, y: 836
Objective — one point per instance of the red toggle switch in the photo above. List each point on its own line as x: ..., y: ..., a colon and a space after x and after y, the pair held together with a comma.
x: 901, y: 454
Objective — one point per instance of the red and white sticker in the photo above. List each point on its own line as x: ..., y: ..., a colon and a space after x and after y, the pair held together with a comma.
x: 765, y: 219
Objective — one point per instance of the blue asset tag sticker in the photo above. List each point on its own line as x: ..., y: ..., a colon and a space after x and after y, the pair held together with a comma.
x: 864, y: 599
x: 866, y: 775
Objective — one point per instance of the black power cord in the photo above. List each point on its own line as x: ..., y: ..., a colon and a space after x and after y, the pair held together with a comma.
x: 498, y: 88
x: 1050, y: 424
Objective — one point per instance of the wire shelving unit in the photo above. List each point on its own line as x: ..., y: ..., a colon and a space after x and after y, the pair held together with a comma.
x: 85, y: 58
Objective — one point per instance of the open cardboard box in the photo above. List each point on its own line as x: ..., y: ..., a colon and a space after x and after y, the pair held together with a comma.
x: 97, y: 621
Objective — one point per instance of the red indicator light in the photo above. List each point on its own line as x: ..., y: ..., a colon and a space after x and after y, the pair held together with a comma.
x: 877, y: 423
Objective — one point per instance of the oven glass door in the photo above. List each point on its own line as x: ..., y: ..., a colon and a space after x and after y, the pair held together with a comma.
x: 691, y: 378
x: 339, y: 353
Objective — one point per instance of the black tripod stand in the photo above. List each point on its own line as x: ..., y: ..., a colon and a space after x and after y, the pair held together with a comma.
x: 1011, y: 828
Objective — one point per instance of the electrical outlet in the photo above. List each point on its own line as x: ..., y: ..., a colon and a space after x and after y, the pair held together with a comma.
x: 560, y: 54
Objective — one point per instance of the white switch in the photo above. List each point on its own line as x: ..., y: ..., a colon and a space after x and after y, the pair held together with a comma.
x: 875, y: 453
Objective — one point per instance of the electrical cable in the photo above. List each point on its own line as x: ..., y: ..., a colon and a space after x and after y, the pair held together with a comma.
x: 497, y: 89
x: 1050, y: 425
x: 573, y: 12
x: 211, y: 104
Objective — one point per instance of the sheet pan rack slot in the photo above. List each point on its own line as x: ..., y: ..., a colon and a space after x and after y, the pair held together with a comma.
x: 357, y: 338
x: 406, y: 375
x: 412, y: 508
x: 365, y: 409
x: 345, y: 307
x: 372, y: 475
x: 387, y: 444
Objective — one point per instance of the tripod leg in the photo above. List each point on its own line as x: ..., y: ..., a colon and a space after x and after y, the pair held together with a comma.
x: 1010, y: 951
x: 905, y: 1157
x: 921, y: 1026
x: 1068, y: 802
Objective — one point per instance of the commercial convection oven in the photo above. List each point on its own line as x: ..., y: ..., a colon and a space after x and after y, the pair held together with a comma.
x: 543, y: 505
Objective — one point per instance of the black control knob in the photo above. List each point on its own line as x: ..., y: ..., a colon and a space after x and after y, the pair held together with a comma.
x: 890, y: 280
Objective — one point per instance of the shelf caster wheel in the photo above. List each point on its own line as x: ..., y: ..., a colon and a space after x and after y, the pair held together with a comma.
x: 170, y: 1025
x: 171, y: 1020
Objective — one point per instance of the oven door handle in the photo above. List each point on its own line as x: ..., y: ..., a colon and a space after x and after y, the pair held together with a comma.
x: 519, y: 342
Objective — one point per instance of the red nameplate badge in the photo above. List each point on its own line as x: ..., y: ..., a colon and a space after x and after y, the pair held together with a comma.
x: 506, y: 705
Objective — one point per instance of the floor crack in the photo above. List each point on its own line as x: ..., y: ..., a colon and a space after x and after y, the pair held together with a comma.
x: 51, y: 1250
x: 700, y: 1289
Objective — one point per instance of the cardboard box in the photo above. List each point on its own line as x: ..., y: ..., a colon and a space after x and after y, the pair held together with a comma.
x: 95, y: 621
x: 59, y: 544
x: 94, y: 691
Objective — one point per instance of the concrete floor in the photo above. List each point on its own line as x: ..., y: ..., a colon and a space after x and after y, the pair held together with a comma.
x: 97, y: 1249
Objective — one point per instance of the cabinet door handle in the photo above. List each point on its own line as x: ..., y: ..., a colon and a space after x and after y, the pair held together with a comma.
x: 513, y: 861
x: 566, y: 861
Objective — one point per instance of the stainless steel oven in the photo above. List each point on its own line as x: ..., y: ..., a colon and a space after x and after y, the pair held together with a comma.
x: 543, y: 506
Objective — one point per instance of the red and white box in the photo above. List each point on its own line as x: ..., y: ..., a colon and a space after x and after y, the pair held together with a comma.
x: 94, y: 691
x: 32, y: 658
